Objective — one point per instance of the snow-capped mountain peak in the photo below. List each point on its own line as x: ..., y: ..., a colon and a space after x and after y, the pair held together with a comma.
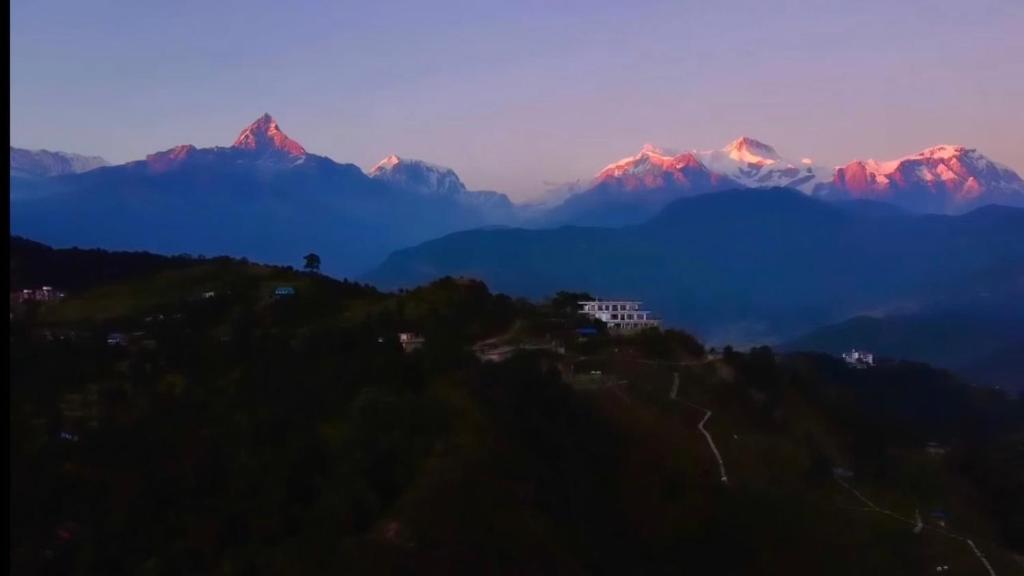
x: 45, y: 163
x: 755, y: 164
x: 433, y: 180
x: 650, y: 159
x: 265, y: 135
x: 751, y: 151
x: 418, y: 175
x: 386, y: 164
x: 944, y: 178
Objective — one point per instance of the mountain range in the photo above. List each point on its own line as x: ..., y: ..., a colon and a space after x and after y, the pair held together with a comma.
x: 266, y: 197
x: 941, y: 179
x: 263, y: 197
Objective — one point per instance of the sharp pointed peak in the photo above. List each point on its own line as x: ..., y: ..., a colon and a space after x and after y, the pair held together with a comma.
x: 264, y: 134
x: 389, y: 162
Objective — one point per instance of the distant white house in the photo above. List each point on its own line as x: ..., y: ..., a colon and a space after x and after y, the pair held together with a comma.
x: 859, y: 358
x: 43, y: 294
x: 620, y: 315
x: 410, y: 341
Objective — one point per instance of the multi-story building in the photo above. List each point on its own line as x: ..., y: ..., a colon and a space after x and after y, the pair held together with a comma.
x: 44, y: 294
x: 859, y: 358
x: 620, y: 315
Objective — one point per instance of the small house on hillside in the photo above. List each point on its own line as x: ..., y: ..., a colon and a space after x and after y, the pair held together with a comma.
x: 410, y: 341
x: 284, y: 292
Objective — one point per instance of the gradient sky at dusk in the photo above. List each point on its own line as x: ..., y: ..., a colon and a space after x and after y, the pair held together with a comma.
x: 513, y: 94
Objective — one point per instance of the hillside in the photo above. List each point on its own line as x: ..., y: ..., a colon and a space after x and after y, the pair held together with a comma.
x: 33, y: 264
x: 981, y: 347
x: 743, y: 266
x: 230, y: 429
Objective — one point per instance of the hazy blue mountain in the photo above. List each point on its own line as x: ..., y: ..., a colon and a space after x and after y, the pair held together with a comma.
x: 44, y: 163
x: 742, y: 266
x: 978, y: 346
x: 977, y: 335
x: 265, y: 197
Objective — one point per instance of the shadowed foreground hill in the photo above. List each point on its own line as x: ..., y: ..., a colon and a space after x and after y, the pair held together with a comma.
x: 232, y: 431
x: 742, y: 266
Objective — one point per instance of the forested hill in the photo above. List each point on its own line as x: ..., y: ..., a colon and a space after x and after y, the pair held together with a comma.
x: 193, y: 418
x: 33, y: 265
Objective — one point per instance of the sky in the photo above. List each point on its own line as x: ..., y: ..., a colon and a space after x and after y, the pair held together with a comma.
x: 517, y: 96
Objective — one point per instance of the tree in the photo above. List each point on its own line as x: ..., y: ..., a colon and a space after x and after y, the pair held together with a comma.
x: 312, y: 262
x: 567, y: 302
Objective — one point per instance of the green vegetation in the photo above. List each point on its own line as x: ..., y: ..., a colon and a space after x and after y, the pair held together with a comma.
x: 237, y: 430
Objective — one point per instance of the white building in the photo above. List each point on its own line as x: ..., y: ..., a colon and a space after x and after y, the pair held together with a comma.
x: 620, y: 315
x: 410, y: 341
x: 44, y: 294
x: 859, y: 358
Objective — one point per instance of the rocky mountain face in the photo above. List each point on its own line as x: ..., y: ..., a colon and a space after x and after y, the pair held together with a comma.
x: 942, y: 179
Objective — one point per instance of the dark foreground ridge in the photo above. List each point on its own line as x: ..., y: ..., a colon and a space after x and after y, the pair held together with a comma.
x: 216, y: 416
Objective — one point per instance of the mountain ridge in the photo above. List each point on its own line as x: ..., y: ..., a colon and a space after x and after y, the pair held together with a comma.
x: 742, y: 265
x: 943, y: 179
x: 265, y: 198
x: 43, y: 163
